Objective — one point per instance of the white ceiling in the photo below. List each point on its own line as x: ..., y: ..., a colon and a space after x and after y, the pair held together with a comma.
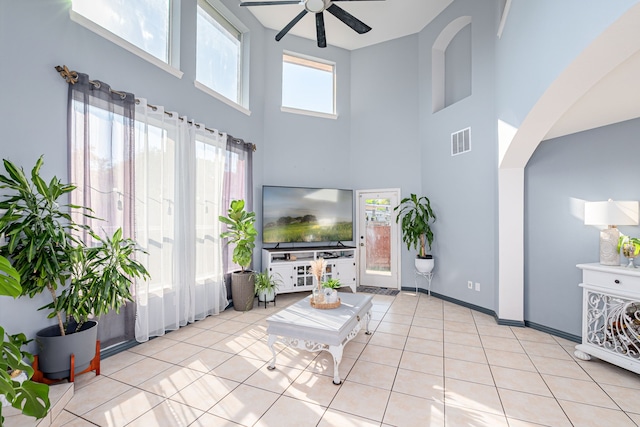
x: 615, y: 98
x: 388, y: 19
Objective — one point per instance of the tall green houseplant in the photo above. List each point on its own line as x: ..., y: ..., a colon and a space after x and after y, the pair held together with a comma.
x: 416, y: 215
x: 242, y: 233
x: 45, y: 249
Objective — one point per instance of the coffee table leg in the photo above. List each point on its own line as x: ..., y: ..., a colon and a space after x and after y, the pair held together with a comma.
x: 271, y: 342
x: 336, y: 352
x: 368, y: 319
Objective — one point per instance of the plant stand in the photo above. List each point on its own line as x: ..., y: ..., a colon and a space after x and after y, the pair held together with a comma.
x: 38, y: 376
x: 267, y: 302
x: 427, y: 276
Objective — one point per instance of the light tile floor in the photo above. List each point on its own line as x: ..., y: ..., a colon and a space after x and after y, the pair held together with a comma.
x: 428, y: 363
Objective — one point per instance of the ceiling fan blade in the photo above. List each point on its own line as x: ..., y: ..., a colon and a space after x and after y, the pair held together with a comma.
x: 269, y: 3
x: 290, y: 25
x: 322, y: 39
x: 357, y: 25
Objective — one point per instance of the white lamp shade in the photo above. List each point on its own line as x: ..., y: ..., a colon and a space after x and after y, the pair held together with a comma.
x: 611, y: 213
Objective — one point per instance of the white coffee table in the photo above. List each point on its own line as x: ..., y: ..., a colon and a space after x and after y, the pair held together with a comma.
x: 307, y: 328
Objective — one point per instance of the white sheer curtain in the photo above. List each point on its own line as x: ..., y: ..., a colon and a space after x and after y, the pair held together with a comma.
x: 210, y: 290
x: 178, y: 179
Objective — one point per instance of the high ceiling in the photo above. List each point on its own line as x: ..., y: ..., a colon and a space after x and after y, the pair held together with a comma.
x: 388, y: 19
x: 614, y: 99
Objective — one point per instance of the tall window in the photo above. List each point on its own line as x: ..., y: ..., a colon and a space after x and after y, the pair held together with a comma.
x: 308, y: 84
x: 145, y: 24
x: 219, y: 53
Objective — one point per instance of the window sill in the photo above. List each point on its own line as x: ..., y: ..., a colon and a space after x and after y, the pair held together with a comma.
x: 308, y: 113
x: 221, y: 98
x: 92, y: 26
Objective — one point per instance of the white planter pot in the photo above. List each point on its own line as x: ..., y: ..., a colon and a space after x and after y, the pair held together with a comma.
x: 266, y: 296
x: 330, y: 296
x: 424, y: 265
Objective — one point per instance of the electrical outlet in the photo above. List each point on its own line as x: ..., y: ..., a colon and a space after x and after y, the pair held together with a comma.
x: 470, y: 284
x: 477, y: 286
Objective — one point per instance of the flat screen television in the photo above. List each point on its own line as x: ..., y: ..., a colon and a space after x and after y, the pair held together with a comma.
x: 306, y: 215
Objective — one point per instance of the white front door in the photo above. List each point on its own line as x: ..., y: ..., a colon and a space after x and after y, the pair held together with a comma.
x: 378, y: 238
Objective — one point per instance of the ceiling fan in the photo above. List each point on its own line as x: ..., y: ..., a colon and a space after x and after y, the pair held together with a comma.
x: 317, y: 7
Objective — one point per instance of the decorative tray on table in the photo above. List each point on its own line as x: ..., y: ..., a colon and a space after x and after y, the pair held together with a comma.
x: 324, y: 305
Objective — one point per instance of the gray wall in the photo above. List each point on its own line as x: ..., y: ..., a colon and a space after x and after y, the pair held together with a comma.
x: 594, y: 165
x: 384, y: 116
x: 462, y: 189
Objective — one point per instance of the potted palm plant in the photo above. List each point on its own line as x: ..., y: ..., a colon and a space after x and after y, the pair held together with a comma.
x: 46, y: 250
x: 242, y: 233
x: 416, y: 216
x: 266, y: 286
x: 16, y: 387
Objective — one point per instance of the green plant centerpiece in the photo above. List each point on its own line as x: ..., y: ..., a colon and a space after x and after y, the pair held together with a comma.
x: 266, y: 286
x: 84, y: 279
x: 16, y: 387
x: 416, y: 216
x: 331, y: 283
x: 242, y: 233
x: 630, y: 248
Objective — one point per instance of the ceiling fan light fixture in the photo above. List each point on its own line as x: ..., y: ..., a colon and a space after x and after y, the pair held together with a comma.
x: 315, y: 6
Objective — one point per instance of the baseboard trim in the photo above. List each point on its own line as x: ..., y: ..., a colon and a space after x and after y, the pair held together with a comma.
x: 552, y: 331
x: 117, y: 348
x: 508, y: 322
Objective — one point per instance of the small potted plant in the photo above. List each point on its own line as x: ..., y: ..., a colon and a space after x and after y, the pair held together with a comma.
x: 46, y: 250
x: 630, y: 248
x: 416, y: 216
x: 16, y: 387
x: 242, y: 233
x: 266, y: 286
x: 331, y: 289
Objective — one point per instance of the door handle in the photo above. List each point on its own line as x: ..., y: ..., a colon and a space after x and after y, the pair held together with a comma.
x: 361, y: 244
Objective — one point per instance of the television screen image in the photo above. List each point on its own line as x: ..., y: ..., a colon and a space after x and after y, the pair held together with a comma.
x: 297, y: 215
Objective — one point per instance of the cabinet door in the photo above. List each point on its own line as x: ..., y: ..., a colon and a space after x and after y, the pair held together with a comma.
x: 283, y: 272
x: 345, y: 271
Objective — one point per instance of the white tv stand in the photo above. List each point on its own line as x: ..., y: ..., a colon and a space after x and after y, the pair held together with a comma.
x: 292, y: 266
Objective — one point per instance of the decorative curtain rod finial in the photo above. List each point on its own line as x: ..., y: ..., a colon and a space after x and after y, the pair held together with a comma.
x: 69, y: 76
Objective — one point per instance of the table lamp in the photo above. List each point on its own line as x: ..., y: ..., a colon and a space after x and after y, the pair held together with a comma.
x: 610, y: 213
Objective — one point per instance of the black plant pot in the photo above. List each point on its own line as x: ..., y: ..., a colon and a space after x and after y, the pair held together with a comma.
x: 242, y: 290
x: 54, y: 350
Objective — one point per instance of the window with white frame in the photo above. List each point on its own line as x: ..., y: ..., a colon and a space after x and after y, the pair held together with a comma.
x: 308, y: 84
x: 145, y: 24
x: 218, y: 53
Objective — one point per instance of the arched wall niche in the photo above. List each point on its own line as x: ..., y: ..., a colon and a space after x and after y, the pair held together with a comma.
x: 439, y: 65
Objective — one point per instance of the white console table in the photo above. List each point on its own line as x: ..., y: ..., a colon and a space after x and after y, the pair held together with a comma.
x: 610, y: 315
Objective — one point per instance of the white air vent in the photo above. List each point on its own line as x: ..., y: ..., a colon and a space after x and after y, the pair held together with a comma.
x: 461, y: 141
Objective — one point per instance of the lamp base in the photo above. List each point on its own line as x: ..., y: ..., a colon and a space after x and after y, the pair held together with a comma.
x: 609, y: 246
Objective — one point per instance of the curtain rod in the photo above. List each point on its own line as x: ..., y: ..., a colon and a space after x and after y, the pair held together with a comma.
x: 71, y: 77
